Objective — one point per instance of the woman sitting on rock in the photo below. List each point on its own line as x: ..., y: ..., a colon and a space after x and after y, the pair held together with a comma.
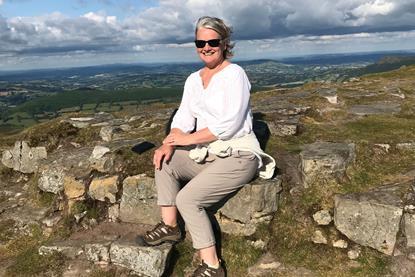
x: 220, y: 157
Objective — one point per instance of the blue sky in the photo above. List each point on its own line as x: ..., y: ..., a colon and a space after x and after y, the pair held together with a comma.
x: 120, y: 8
x: 46, y: 33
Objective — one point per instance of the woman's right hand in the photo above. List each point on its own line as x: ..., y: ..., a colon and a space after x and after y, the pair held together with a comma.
x: 164, y: 152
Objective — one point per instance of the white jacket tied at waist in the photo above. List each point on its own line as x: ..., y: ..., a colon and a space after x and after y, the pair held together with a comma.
x: 224, y: 148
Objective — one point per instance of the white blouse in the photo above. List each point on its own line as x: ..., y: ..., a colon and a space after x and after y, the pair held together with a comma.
x: 223, y: 107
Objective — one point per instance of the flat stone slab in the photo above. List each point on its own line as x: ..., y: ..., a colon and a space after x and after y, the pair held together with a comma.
x: 377, y: 108
x: 147, y: 261
x: 114, y: 243
x: 371, y: 218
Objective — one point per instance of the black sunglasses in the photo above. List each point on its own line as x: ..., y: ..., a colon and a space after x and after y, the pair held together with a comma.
x: 212, y: 43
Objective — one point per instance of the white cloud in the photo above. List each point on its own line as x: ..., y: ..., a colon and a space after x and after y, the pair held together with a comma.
x: 170, y: 25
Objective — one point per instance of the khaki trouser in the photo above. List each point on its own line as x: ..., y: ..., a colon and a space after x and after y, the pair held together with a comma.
x: 208, y: 183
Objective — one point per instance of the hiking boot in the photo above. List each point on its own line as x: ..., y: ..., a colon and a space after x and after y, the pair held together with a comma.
x: 161, y: 233
x: 203, y: 270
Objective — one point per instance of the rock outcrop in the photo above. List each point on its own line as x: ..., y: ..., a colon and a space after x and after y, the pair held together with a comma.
x: 325, y: 161
x: 114, y: 243
x: 139, y: 201
x: 24, y: 158
x: 372, y: 218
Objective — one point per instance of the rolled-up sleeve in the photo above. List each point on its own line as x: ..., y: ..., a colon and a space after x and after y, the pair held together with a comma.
x: 231, y: 107
x: 184, y: 119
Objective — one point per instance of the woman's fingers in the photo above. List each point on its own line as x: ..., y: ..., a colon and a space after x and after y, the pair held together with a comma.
x: 158, y: 156
x: 164, y: 152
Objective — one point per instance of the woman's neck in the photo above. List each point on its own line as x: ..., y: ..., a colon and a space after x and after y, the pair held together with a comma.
x: 217, y: 66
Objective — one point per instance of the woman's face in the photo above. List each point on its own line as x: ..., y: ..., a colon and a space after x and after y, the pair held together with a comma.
x: 211, y: 56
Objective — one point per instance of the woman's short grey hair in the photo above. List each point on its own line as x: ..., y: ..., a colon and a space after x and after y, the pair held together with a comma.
x: 217, y: 25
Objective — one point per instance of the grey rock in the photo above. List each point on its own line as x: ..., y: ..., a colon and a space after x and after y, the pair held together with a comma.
x: 258, y: 244
x: 376, y: 108
x: 236, y: 228
x: 267, y: 264
x: 138, y: 201
x: 70, y: 249
x: 259, y: 198
x: 98, y: 251
x: 371, y: 218
x: 99, y: 152
x: 319, y: 237
x: 325, y: 160
x: 409, y: 229
x: 406, y: 146
x: 114, y: 212
x: 73, y: 164
x: 260, y: 201
x: 284, y: 127
x: 100, y: 161
x: 340, y: 243
x: 24, y: 158
x: 147, y: 261
x: 322, y: 217
x: 24, y: 215
x: 107, y: 132
x: 353, y: 254
x: 84, y: 122
x: 383, y: 147
x: 52, y: 180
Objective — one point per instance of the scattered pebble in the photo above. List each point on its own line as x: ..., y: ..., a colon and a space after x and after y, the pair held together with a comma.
x: 258, y: 244
x: 340, y: 244
x: 319, y: 238
x: 411, y: 256
x: 322, y: 217
x: 79, y: 216
x: 353, y: 254
x: 383, y: 146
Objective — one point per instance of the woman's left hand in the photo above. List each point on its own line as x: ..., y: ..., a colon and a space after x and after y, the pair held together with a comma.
x: 177, y: 138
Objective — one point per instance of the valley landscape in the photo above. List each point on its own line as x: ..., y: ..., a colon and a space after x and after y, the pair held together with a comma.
x: 72, y: 193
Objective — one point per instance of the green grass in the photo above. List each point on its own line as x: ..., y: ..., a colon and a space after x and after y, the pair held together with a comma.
x: 6, y: 230
x: 30, y: 263
x: 182, y: 256
x: 290, y: 241
x: 238, y: 254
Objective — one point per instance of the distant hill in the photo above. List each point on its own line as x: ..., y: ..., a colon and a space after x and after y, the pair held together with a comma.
x: 387, y: 63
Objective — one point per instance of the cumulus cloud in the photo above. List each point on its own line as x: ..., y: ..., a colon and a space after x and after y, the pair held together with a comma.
x: 171, y: 24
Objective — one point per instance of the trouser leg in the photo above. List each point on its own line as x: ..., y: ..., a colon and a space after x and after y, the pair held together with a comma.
x: 168, y: 178
x: 217, y: 180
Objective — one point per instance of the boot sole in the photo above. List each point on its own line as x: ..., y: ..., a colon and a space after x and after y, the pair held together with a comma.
x: 140, y: 240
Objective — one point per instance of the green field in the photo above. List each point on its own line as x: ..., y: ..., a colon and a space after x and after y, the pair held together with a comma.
x: 47, y: 107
